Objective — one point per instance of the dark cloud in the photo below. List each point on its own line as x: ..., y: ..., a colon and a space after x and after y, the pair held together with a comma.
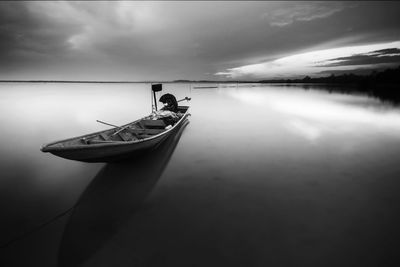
x: 365, y: 70
x: 23, y: 30
x: 173, y: 40
x: 29, y: 39
x: 383, y: 56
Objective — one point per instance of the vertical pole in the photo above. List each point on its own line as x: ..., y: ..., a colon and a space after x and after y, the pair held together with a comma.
x: 156, y: 88
x: 155, y: 99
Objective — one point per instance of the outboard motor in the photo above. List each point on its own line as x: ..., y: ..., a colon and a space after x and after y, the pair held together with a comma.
x: 170, y: 101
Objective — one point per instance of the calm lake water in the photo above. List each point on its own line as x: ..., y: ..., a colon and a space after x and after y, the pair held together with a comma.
x: 263, y: 175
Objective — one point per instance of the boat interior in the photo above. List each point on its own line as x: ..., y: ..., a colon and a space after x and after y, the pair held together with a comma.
x: 138, y: 130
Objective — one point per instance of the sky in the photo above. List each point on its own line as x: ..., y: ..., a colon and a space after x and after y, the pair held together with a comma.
x: 208, y: 40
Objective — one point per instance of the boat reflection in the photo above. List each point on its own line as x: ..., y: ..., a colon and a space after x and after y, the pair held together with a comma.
x: 114, y: 195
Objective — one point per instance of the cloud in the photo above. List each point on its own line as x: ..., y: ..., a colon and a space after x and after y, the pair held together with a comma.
x: 383, y: 56
x: 31, y: 37
x: 292, y: 12
x: 176, y: 40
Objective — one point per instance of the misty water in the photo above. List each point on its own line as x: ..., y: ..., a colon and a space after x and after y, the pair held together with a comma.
x: 261, y: 174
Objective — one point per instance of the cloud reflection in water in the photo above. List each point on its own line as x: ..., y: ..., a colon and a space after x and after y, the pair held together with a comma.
x: 316, y: 113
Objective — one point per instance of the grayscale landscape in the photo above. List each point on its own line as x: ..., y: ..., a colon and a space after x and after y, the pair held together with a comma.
x: 289, y: 157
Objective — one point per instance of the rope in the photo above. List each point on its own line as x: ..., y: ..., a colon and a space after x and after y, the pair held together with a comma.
x: 38, y: 227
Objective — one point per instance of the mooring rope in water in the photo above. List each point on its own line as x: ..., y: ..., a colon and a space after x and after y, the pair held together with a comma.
x: 37, y: 228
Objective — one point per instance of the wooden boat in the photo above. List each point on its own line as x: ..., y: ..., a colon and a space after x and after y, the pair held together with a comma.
x: 116, y: 143
x: 119, y: 142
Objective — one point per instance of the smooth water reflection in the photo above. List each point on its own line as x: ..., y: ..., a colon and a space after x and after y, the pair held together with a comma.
x: 262, y: 175
x: 314, y: 113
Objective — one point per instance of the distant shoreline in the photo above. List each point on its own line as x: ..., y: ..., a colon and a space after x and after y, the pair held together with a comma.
x: 60, y: 81
x: 388, y: 76
x: 178, y: 81
x: 383, y: 85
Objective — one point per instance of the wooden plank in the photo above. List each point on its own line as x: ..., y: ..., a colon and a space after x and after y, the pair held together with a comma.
x: 124, y: 137
x: 146, y: 131
x: 153, y: 124
x: 104, y: 136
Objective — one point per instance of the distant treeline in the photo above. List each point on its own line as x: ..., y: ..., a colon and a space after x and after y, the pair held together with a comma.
x: 386, y: 76
x: 382, y: 84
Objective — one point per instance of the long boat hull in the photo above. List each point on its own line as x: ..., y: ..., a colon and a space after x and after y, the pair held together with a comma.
x: 117, y: 143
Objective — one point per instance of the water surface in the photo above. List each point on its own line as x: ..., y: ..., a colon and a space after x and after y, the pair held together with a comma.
x: 262, y: 175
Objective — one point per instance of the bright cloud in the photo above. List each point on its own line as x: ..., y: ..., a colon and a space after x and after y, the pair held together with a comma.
x: 304, y: 63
